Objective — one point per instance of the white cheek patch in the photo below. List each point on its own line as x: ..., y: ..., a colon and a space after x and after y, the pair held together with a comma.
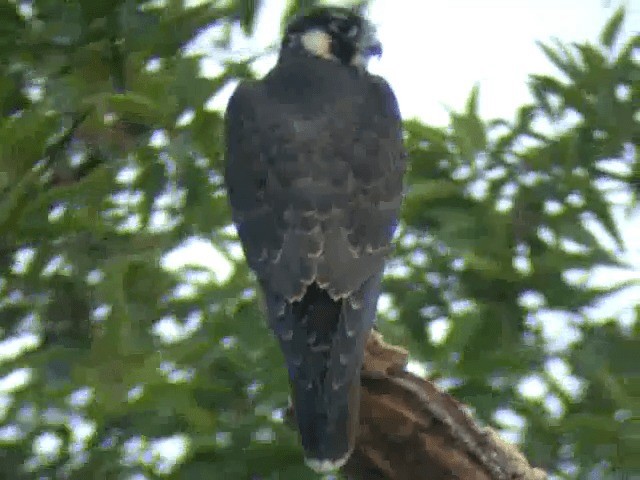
x: 318, y: 43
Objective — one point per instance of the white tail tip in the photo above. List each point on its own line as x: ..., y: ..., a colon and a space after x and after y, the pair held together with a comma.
x: 326, y: 465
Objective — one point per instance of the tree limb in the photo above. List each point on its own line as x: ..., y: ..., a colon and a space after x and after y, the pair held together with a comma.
x: 409, y: 429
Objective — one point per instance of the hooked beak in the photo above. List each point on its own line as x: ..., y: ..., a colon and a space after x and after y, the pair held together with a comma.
x: 373, y: 50
x: 370, y: 46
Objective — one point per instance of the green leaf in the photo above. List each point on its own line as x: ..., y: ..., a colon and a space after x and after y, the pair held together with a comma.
x: 469, y: 131
x: 471, y: 108
x: 432, y: 190
x: 98, y: 9
x: 612, y: 29
x: 247, y: 10
x: 130, y: 106
x: 562, y: 59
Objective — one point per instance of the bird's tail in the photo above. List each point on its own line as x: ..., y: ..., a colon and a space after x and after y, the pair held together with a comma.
x: 327, y: 422
x: 323, y: 343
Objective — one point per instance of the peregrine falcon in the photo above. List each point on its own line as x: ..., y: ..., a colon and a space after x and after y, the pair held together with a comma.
x: 314, y: 173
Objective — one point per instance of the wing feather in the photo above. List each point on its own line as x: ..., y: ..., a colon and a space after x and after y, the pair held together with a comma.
x: 315, y: 192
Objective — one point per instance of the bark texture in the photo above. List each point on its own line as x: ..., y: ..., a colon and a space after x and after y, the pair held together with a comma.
x: 410, y: 430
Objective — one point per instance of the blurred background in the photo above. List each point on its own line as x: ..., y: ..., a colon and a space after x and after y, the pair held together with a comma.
x: 132, y: 340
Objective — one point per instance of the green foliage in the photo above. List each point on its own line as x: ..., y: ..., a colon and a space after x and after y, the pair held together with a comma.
x: 109, y: 160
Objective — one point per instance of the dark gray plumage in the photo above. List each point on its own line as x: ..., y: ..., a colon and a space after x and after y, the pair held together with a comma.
x: 314, y: 174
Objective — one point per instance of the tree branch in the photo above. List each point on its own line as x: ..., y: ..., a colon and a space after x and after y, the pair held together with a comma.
x: 409, y: 429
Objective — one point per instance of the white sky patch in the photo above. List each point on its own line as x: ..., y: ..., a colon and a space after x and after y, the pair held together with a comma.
x: 22, y: 260
x: 560, y: 371
x: 511, y: 436
x: 384, y: 302
x: 11, y: 433
x: 12, y: 347
x: 133, y: 450
x: 454, y: 44
x: 138, y: 476
x: 15, y: 380
x: 185, y: 291
x: 558, y: 328
x: 185, y: 118
x: 127, y: 175
x: 81, y: 397
x: 82, y: 431
x: 219, y: 101
x: 522, y: 264
x: 159, y: 139
x: 531, y: 300
x: 211, y: 67
x: 170, y: 330
x: 47, y: 444
x: 576, y: 277
x: 509, y: 419
x: 438, y: 330
x: 101, y: 312
x: 417, y: 368
x: 532, y: 387
x: 554, y: 406
x: 169, y: 452
x: 135, y: 393
x: 234, y: 249
x: 460, y: 307
x: 199, y: 252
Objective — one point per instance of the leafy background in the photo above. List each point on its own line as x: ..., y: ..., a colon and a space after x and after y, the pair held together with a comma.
x: 113, y: 366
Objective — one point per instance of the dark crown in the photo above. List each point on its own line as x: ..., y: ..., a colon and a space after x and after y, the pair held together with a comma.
x: 351, y: 38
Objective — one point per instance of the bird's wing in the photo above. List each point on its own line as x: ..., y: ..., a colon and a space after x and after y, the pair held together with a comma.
x: 315, y: 194
x: 375, y: 157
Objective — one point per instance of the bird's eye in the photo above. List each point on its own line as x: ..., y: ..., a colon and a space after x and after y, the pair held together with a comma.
x: 345, y: 28
x: 353, y: 31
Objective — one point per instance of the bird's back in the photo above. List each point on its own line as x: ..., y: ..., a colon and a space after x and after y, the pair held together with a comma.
x: 326, y: 161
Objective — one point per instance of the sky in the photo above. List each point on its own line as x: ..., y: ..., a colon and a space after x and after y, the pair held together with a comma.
x: 493, y: 42
x: 458, y: 43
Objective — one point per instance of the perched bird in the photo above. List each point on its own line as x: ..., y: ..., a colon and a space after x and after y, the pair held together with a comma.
x: 314, y: 169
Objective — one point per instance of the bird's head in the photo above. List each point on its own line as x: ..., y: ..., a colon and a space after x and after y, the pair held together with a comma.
x: 333, y: 33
